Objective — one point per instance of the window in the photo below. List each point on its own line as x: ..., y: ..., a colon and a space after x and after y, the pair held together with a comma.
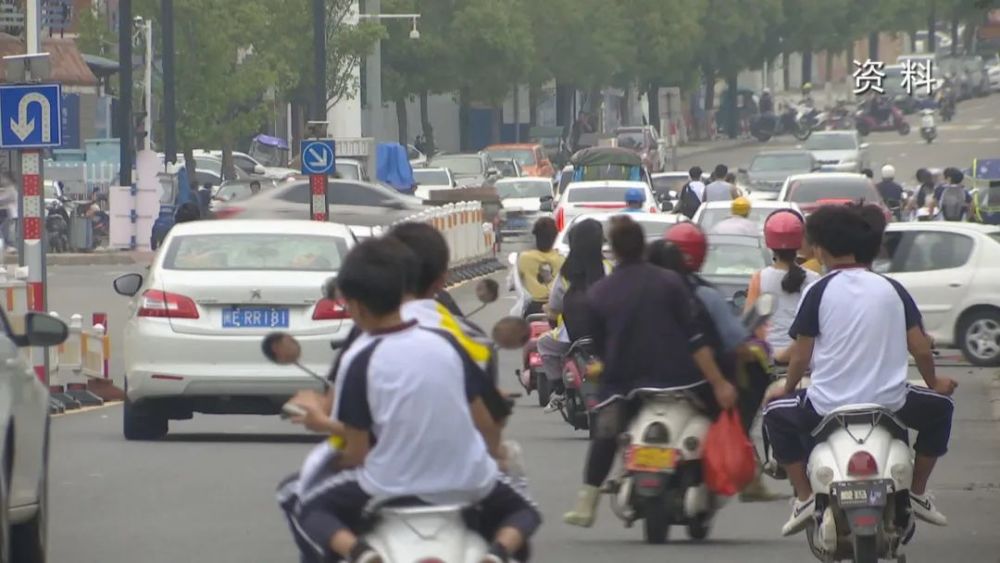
x: 733, y: 260
x: 431, y: 177
x: 524, y: 157
x: 523, y: 189
x: 353, y: 193
x: 814, y: 190
x: 296, y: 193
x: 630, y: 139
x: 888, y: 258
x: 467, y: 165
x: 596, y: 194
x: 203, y: 177
x: 930, y: 250
x: 244, y: 163
x: 255, y: 251
x: 349, y: 170
x: 837, y: 142
x: 773, y: 162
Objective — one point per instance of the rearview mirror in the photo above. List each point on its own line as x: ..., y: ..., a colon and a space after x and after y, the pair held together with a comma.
x: 41, y: 329
x: 127, y: 284
x: 259, y: 169
x: 487, y: 290
x: 281, y: 348
x: 740, y: 299
x: 511, y: 333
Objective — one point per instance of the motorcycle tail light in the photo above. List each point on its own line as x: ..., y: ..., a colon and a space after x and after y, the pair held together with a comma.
x: 862, y: 464
x: 534, y: 360
x: 656, y: 433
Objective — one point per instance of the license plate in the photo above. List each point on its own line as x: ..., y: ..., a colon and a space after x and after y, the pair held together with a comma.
x: 255, y: 317
x: 861, y: 494
x: 516, y: 222
x: 646, y: 458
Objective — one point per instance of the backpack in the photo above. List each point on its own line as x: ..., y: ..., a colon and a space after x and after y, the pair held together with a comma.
x: 688, y: 202
x: 953, y: 203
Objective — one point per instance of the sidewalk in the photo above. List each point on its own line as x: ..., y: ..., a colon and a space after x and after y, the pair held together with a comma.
x: 101, y: 257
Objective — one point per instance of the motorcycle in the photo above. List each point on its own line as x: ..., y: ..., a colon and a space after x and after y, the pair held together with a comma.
x: 581, y: 389
x: 947, y: 106
x: 661, y: 480
x: 57, y: 226
x: 839, y: 118
x: 927, y: 128
x: 531, y: 375
x: 796, y: 121
x: 865, y: 122
x: 861, y: 470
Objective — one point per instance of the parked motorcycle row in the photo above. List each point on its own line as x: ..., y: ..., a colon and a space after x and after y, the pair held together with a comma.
x: 59, y: 216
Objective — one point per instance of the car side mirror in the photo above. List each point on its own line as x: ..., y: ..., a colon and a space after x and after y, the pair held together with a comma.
x: 281, y: 348
x: 547, y: 204
x: 127, y: 284
x: 487, y: 290
x: 259, y: 169
x: 42, y: 330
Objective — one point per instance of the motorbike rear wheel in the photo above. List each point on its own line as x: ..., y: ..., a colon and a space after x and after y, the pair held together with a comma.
x: 656, y: 521
x: 865, y: 549
x: 904, y: 128
x: 863, y: 128
x: 802, y: 133
x: 543, y: 388
x: 699, y: 529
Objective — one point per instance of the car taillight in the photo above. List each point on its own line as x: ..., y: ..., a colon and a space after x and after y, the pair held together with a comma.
x: 156, y: 303
x: 862, y: 464
x: 653, y: 209
x: 329, y: 309
x: 560, y: 218
x: 227, y: 212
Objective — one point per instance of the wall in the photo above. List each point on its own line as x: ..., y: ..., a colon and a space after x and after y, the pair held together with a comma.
x: 443, y: 112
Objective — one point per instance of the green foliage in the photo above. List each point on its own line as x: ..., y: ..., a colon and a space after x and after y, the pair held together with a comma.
x: 733, y: 33
x: 494, y: 47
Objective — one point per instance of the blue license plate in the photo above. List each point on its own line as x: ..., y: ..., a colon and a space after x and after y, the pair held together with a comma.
x: 255, y: 317
x: 516, y: 223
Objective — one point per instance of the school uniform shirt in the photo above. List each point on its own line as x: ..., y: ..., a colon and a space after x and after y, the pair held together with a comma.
x: 406, y: 388
x: 859, y: 320
x: 718, y: 190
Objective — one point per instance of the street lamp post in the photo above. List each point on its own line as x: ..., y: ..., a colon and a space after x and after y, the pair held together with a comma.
x: 373, y: 68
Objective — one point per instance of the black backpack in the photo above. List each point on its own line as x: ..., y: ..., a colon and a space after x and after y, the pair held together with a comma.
x: 688, y: 202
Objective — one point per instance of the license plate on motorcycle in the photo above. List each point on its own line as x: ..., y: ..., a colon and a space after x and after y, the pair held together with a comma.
x: 650, y: 459
x: 861, y: 494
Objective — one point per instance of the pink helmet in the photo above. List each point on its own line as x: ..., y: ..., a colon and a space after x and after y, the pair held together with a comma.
x: 784, y: 230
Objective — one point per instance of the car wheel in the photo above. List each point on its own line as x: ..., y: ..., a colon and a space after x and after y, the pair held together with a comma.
x: 29, y: 539
x: 979, y: 337
x: 143, y: 422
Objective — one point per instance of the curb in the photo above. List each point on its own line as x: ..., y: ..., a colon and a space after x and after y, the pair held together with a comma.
x: 90, y: 259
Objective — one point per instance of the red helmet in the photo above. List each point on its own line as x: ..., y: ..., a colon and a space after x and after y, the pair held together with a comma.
x: 691, y: 241
x: 784, y: 230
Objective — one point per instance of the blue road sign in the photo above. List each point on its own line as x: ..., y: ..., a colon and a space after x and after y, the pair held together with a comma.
x: 30, y: 116
x: 319, y: 156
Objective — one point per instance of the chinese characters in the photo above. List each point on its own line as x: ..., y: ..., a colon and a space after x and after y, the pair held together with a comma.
x: 914, y: 75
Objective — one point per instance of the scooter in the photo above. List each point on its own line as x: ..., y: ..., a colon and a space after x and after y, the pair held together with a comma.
x: 865, y: 122
x: 792, y: 120
x: 57, y: 226
x: 581, y: 389
x: 927, y: 128
x: 860, y: 470
x: 660, y: 481
x: 531, y: 375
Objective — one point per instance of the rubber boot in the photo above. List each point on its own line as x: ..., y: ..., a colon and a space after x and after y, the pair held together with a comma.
x: 586, y: 507
x: 757, y: 491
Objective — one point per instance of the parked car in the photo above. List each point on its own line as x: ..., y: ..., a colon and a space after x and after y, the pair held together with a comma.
x: 354, y: 203
x: 711, y: 213
x: 609, y: 195
x: 351, y: 169
x: 731, y: 261
x: 667, y: 185
x: 432, y: 179
x: 250, y: 166
x: 646, y: 142
x: 524, y: 200
x: 810, y: 191
x: 508, y: 167
x: 196, y: 319
x: 530, y: 156
x: 838, y: 151
x: 950, y: 269
x: 654, y: 225
x: 469, y: 170
x: 769, y: 169
x: 238, y: 190
x: 553, y: 141
x: 24, y: 440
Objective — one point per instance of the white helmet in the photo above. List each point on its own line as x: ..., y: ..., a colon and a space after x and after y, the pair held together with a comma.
x: 888, y: 172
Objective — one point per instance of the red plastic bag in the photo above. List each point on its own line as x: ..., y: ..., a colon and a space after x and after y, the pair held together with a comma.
x: 728, y: 462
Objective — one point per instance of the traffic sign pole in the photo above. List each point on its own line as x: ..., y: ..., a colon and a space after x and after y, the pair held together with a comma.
x: 34, y: 245
x: 318, y: 208
x: 319, y: 160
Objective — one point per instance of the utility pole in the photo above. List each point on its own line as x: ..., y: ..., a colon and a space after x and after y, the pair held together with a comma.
x: 148, y: 87
x: 32, y: 26
x: 319, y: 60
x: 169, y: 112
x: 125, y: 125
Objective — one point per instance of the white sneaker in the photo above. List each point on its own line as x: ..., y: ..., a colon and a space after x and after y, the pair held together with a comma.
x: 555, y: 402
x: 802, y: 511
x: 923, y: 508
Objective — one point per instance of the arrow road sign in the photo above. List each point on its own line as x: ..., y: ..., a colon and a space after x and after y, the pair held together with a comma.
x: 319, y: 156
x: 30, y: 116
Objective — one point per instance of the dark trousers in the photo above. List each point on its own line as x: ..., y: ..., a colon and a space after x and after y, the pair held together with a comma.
x: 789, y: 422
x: 339, y: 503
x: 534, y: 308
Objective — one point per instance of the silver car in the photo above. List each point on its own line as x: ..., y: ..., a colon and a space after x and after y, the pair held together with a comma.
x: 24, y: 440
x: 838, y: 151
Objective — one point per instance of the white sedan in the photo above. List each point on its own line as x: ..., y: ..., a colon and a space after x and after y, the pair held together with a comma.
x: 712, y: 213
x: 585, y: 197
x: 951, y: 270
x: 430, y: 180
x: 24, y: 440
x: 524, y: 200
x: 655, y: 225
x: 214, y: 291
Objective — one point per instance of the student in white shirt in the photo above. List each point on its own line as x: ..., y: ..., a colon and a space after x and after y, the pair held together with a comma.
x: 408, y: 425
x: 857, y: 330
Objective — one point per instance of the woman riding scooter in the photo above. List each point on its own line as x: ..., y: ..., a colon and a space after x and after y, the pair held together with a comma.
x: 584, y: 266
x: 537, y: 267
x: 785, y: 279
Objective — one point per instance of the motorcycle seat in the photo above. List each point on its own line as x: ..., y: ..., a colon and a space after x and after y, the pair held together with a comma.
x: 874, y: 415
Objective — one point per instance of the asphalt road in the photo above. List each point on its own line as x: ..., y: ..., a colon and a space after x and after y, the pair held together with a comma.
x: 206, y: 492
